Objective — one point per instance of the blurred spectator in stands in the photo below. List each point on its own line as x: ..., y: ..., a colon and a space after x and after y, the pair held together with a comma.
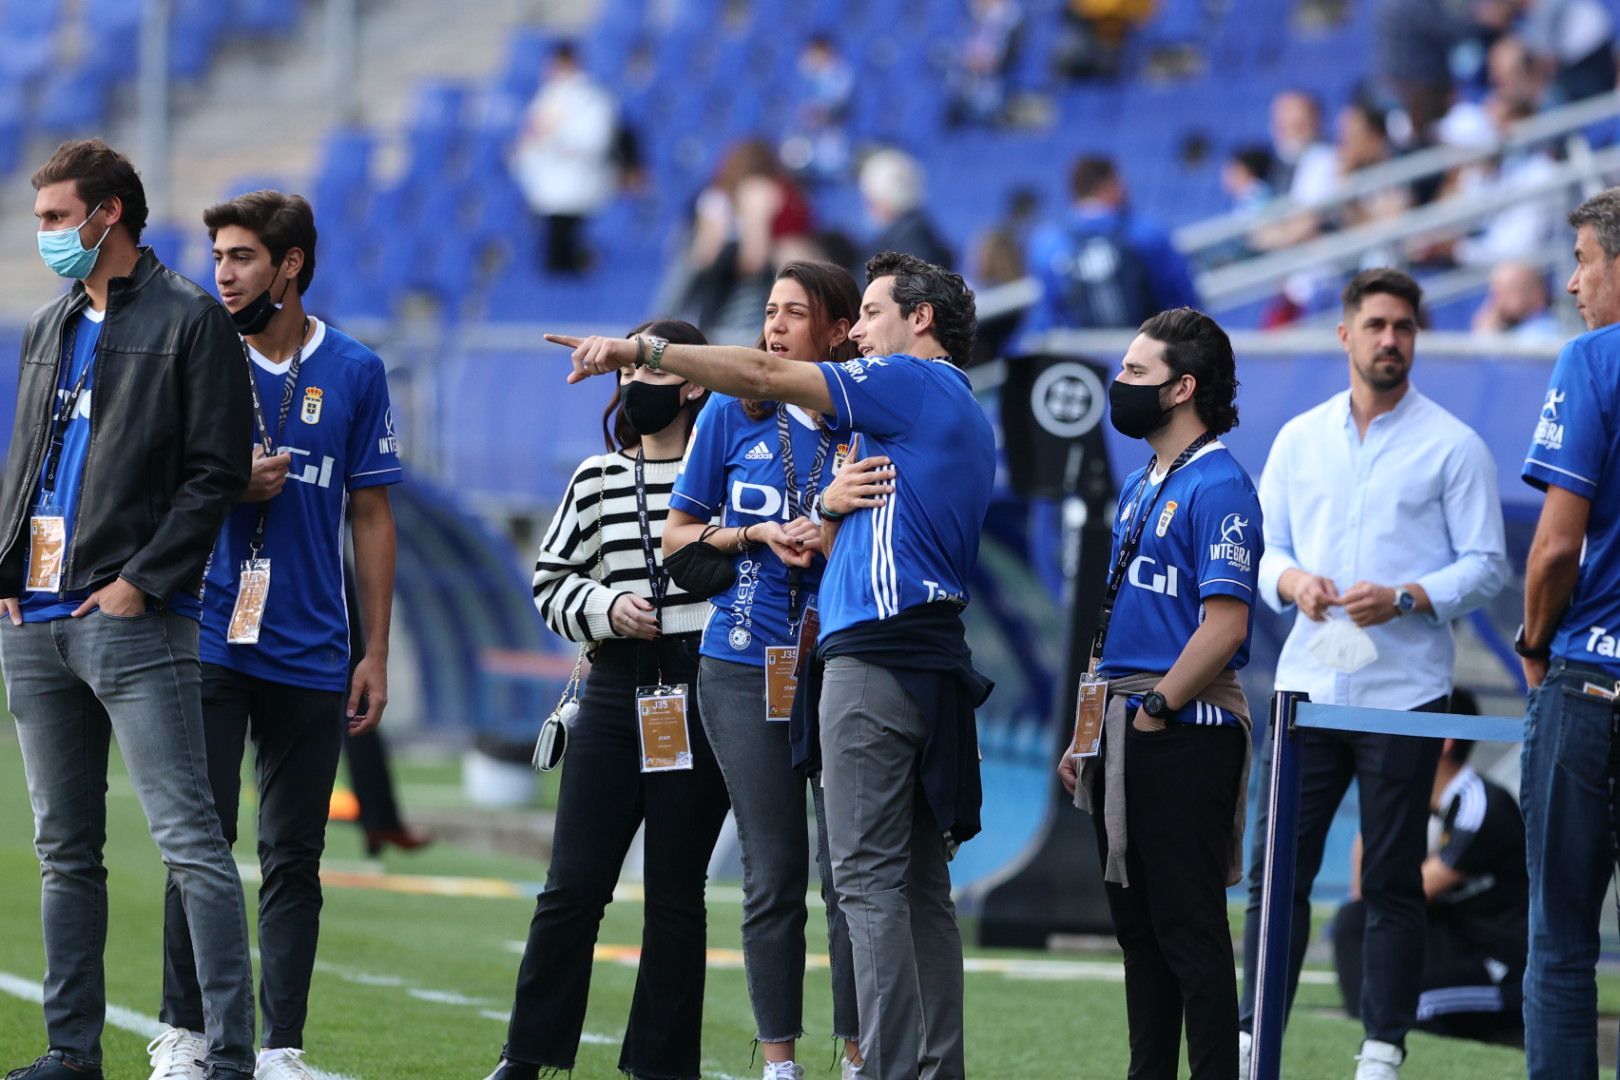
x: 1091, y: 39
x: 1518, y: 305
x: 564, y: 159
x: 1572, y: 41
x: 1526, y: 225
x: 1103, y: 266
x: 818, y: 147
x: 1304, y: 165
x: 1245, y: 179
x: 1412, y: 44
x: 979, y: 77
x: 892, y: 187
x: 1512, y: 75
x: 750, y: 219
x: 1477, y: 911
x: 1000, y: 257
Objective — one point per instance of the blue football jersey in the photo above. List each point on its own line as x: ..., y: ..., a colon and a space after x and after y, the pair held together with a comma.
x: 340, y: 433
x: 1575, y: 447
x: 1202, y: 540
x: 735, y: 468
x: 921, y: 545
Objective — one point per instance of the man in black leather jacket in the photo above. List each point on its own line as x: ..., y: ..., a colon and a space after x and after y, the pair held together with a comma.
x: 131, y: 444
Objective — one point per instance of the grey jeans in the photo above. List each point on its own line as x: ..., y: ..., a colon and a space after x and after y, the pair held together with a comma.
x: 889, y: 864
x: 72, y: 684
x: 767, y: 797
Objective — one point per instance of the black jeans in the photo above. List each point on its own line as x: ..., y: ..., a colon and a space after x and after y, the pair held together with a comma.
x: 296, y: 734
x: 603, y: 798
x: 1394, y: 775
x: 1181, y: 792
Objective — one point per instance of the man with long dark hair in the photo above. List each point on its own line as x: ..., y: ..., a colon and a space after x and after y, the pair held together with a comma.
x: 1165, y: 784
x: 892, y: 685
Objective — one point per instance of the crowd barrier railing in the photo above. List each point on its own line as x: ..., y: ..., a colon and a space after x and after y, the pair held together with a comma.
x: 1291, y: 712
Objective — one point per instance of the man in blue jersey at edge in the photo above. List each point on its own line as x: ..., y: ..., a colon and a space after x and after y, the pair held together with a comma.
x: 275, y: 633
x: 1572, y: 662
x: 1166, y: 786
x: 892, y: 683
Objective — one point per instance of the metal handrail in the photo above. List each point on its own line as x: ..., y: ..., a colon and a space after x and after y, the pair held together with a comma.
x: 1256, y: 278
x: 1567, y: 119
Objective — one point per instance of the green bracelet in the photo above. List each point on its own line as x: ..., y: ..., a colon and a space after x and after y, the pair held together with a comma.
x: 826, y: 511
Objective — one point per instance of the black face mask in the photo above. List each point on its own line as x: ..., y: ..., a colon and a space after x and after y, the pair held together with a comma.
x: 701, y: 569
x: 651, y: 407
x: 1134, y: 408
x: 253, y: 318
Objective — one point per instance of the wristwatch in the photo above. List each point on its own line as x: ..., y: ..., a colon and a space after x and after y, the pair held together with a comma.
x: 1154, y: 705
x: 1405, y: 601
x: 1524, y: 650
x: 655, y: 359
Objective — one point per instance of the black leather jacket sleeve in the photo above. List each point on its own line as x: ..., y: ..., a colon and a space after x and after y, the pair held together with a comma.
x: 217, y: 424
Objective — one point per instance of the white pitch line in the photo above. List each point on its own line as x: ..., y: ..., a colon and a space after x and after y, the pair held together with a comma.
x: 146, y: 1027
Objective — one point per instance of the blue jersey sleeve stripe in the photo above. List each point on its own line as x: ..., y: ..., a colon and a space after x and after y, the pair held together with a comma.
x: 835, y: 381
x: 1534, y: 468
x: 1203, y: 586
x: 679, y: 500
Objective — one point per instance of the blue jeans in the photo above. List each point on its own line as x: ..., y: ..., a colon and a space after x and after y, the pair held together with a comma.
x: 73, y: 684
x: 1566, y: 790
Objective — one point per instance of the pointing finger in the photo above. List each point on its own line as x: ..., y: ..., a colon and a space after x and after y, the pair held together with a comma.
x: 564, y: 339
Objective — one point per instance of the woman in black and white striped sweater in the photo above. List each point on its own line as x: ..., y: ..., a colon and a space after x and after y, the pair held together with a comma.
x: 599, y: 580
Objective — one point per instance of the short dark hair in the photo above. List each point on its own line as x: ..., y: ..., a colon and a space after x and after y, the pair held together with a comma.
x: 98, y: 173
x: 917, y: 282
x: 1255, y: 159
x: 1090, y: 175
x: 1602, y: 212
x: 1194, y: 344
x: 1382, y: 279
x: 566, y: 51
x: 617, y: 434
x: 280, y: 221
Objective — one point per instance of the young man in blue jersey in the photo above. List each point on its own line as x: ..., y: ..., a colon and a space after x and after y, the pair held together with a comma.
x: 1165, y: 787
x: 1570, y: 642
x: 897, y: 746
x: 275, y: 633
x: 127, y: 452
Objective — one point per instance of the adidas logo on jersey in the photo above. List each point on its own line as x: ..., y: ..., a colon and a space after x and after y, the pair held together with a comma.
x: 760, y: 452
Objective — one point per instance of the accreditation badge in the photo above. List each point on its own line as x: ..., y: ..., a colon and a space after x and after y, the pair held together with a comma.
x: 252, y: 591
x: 47, y: 545
x: 666, y: 742
x: 1090, y: 704
x: 781, y: 681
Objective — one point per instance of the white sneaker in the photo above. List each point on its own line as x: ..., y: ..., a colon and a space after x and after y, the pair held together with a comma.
x: 283, y: 1064
x: 783, y: 1070
x: 1379, y: 1061
x: 178, y: 1054
x: 848, y: 1070
x: 1245, y: 1054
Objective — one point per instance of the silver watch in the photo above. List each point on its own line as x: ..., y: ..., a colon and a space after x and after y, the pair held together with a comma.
x: 655, y: 358
x: 1405, y: 601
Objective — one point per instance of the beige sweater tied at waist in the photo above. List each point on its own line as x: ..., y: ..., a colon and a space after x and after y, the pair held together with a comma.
x: 1224, y: 693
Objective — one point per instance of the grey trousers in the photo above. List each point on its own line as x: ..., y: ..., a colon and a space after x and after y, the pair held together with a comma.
x: 767, y: 797
x: 889, y: 864
x: 73, y: 684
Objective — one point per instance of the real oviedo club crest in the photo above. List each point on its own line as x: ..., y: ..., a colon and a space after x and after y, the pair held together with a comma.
x: 311, y: 412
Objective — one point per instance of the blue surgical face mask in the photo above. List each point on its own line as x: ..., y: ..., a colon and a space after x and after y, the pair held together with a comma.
x: 64, y: 252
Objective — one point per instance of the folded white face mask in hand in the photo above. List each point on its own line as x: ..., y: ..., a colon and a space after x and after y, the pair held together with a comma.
x: 1341, y: 645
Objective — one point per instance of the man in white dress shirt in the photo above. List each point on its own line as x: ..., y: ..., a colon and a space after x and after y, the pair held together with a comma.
x: 1382, y: 525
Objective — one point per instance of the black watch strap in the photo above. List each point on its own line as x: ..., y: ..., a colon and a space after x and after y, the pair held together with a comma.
x: 1523, y: 648
x: 1154, y: 705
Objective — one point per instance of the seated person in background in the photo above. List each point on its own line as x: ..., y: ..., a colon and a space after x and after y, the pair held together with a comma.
x: 979, y: 85
x: 893, y: 189
x: 1517, y: 305
x: 1478, y: 903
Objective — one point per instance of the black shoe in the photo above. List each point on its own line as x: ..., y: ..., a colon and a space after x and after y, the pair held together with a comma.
x: 52, y: 1067
x: 514, y: 1070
